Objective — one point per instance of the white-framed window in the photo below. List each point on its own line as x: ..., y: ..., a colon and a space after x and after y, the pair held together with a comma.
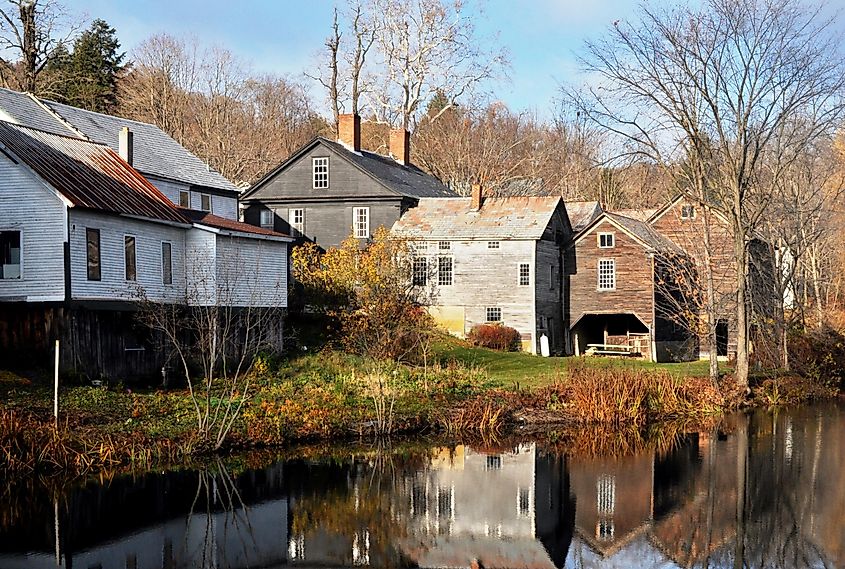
x: 420, y: 276
x: 525, y: 274
x: 267, y: 219
x: 130, y: 269
x: 185, y: 199
x: 92, y: 249
x: 320, y: 172
x: 492, y: 244
x: 494, y: 462
x: 687, y: 211
x: 11, y: 260
x: 166, y: 262
x: 607, y: 274
x: 445, y: 272
x: 444, y: 245
x: 494, y: 314
x: 606, y: 241
x: 361, y: 222
x: 296, y: 217
x: 205, y: 202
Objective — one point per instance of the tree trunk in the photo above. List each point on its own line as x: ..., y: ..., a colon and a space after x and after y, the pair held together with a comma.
x: 741, y: 261
x: 814, y: 267
x: 712, y: 314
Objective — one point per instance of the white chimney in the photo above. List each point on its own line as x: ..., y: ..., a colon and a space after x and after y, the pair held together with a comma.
x: 125, y: 145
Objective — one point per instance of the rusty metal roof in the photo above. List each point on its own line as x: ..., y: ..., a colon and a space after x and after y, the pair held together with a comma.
x: 211, y: 220
x: 498, y: 218
x: 87, y: 174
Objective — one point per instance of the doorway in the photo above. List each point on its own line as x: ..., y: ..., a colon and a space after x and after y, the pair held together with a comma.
x: 722, y: 338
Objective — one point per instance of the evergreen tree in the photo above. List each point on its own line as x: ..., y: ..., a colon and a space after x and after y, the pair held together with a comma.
x: 91, y: 72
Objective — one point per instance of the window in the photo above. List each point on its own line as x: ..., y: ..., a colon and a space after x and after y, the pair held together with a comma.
x: 205, y: 202
x: 606, y: 240
x: 523, y: 503
x: 687, y: 212
x: 551, y: 277
x: 494, y: 462
x: 444, y: 245
x: 361, y: 222
x: 445, y: 502
x: 297, y: 220
x: 524, y: 274
x: 185, y: 199
x: 492, y: 244
x: 420, y: 277
x: 267, y: 219
x: 444, y: 271
x: 129, y: 270
x: 320, y: 169
x: 10, y: 254
x: 92, y: 241
x: 607, y: 274
x: 606, y: 495
x: 166, y: 263
x: 494, y: 314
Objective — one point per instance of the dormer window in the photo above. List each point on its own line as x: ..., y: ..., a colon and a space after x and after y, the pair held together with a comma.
x: 687, y: 212
x: 320, y: 171
x: 606, y: 241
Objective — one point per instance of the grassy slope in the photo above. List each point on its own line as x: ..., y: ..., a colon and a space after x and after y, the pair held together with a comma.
x: 506, y: 369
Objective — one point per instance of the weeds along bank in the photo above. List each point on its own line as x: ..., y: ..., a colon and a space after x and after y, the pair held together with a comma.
x: 334, y: 396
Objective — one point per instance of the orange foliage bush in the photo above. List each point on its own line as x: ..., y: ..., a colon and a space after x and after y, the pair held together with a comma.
x: 495, y: 337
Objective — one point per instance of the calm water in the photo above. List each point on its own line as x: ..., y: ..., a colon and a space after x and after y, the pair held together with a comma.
x: 766, y: 490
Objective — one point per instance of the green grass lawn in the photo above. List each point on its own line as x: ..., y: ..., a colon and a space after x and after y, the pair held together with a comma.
x: 507, y: 369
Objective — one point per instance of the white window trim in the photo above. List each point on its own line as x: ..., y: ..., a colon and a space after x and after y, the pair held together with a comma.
x: 264, y: 224
x: 125, y: 235
x: 612, y: 238
x: 210, y: 203
x: 487, y: 310
x: 423, y: 261
x: 598, y: 275
x: 187, y: 193
x: 444, y: 245
x: 161, y: 254
x: 20, y: 231
x: 300, y: 227
x: 355, y: 227
x: 519, y: 274
x: 314, y: 162
x: 494, y: 245
x: 99, y: 253
x: 688, y: 216
x: 439, y: 260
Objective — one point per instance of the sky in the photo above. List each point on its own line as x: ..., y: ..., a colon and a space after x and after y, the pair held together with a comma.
x: 283, y: 36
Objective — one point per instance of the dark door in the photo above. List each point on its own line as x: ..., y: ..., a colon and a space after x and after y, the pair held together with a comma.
x: 722, y: 338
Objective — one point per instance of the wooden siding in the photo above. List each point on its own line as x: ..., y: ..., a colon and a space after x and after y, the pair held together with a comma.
x: 201, y: 272
x: 220, y: 205
x: 252, y: 272
x: 28, y: 206
x: 634, y: 290
x: 113, y: 285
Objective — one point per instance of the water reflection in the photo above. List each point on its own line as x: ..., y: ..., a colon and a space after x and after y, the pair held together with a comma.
x: 766, y: 490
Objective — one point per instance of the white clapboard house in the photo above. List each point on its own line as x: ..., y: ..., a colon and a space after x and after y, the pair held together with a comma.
x: 84, y: 235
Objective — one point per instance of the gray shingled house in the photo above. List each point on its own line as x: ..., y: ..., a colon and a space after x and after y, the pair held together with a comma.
x: 328, y: 190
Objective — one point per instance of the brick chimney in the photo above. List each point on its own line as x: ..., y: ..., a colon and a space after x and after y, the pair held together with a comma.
x: 349, y: 131
x: 475, y: 204
x: 400, y: 146
x: 125, y: 144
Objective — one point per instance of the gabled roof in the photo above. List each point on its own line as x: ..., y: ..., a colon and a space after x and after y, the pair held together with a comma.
x: 404, y: 180
x: 641, y: 231
x: 155, y: 153
x: 581, y: 214
x: 499, y: 218
x: 215, y: 221
x: 638, y: 214
x: 88, y: 175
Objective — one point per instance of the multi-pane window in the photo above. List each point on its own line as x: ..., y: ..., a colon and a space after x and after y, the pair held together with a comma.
x: 523, y: 503
x: 129, y: 267
x: 267, y: 219
x: 492, y: 244
x: 185, y: 198
x: 494, y: 462
x: 444, y: 245
x: 92, y: 247
x: 687, y: 212
x: 361, y: 222
x: 10, y: 254
x: 606, y: 240
x: 166, y: 262
x: 297, y: 220
x: 320, y: 170
x: 607, y: 274
x: 444, y: 271
x: 494, y: 314
x: 420, y: 277
x: 524, y: 274
x: 205, y: 202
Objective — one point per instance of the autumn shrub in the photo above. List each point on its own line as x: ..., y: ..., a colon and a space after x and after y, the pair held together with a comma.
x: 819, y: 355
x: 495, y: 337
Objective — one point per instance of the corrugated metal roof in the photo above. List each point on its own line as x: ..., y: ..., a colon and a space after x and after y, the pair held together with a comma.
x: 582, y: 214
x: 211, y: 220
x: 23, y: 109
x: 499, y: 218
x: 155, y: 153
x: 89, y: 175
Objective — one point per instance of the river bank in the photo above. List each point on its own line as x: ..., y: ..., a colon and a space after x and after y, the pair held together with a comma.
x: 331, y: 396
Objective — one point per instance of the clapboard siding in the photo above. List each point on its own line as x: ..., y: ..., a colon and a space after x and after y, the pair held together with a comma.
x: 148, y: 240
x: 223, y: 206
x: 201, y: 272
x: 251, y: 272
x: 28, y: 206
